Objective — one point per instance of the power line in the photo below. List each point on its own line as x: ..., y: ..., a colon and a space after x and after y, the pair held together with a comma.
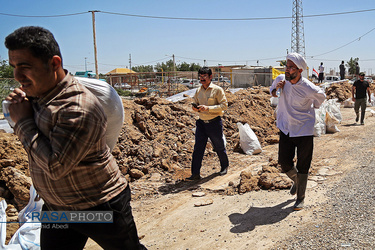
x: 62, y: 15
x: 192, y: 18
x: 355, y: 40
x: 234, y: 19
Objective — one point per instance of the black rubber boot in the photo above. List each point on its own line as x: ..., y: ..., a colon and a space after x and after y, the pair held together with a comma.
x: 292, y: 174
x: 301, y: 189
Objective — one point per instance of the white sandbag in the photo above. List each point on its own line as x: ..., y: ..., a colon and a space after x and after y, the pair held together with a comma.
x: 320, y: 126
x: 372, y: 98
x: 331, y: 122
x: 348, y: 103
x: 112, y: 105
x: 248, y: 140
x: 333, y: 107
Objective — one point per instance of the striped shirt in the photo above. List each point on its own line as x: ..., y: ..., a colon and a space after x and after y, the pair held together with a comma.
x: 70, y: 164
x: 214, y: 98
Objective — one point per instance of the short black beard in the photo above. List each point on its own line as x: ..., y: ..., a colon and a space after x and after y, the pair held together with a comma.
x: 290, y: 77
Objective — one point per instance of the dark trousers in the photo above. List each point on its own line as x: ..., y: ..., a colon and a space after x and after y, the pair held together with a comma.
x: 121, y: 234
x: 360, y: 103
x: 214, y: 131
x: 287, y: 151
x: 321, y: 77
x: 342, y: 76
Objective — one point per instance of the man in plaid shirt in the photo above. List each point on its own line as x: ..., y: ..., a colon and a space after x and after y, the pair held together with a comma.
x: 62, y: 127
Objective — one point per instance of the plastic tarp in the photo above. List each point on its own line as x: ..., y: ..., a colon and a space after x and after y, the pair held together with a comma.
x: 28, y: 235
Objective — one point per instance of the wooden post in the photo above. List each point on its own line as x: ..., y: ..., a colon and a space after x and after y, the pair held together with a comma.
x: 95, y: 51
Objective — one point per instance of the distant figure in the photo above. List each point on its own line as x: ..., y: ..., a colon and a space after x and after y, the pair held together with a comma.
x: 296, y: 118
x: 321, y: 73
x: 210, y: 102
x: 342, y: 71
x: 360, y: 87
x: 357, y: 70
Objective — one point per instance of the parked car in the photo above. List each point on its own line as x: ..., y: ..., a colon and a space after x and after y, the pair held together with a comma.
x: 191, y: 83
x: 368, y: 79
x: 222, y: 79
x: 330, y: 78
x: 122, y: 86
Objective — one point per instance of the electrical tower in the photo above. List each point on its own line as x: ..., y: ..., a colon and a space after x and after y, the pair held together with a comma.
x: 298, y: 35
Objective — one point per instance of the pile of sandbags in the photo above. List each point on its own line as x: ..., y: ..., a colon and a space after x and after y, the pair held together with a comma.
x: 327, y: 116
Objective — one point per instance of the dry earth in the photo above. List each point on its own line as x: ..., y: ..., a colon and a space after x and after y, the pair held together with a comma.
x: 253, y: 220
x: 249, y: 208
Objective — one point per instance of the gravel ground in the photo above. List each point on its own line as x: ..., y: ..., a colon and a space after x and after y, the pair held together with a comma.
x: 347, y: 219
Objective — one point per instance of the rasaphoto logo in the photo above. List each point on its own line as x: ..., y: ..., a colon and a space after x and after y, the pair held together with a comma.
x: 72, y: 217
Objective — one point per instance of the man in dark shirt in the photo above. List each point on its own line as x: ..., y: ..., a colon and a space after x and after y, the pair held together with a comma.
x: 342, y: 71
x: 359, y: 88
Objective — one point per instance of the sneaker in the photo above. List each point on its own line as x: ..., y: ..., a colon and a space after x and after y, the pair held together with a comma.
x: 194, y: 177
x: 357, y: 119
x: 362, y: 123
x: 224, y: 171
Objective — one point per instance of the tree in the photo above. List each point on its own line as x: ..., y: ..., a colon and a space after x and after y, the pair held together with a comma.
x: 194, y: 67
x: 143, y: 68
x: 6, y: 71
x: 167, y: 66
x: 184, y: 66
x: 351, y: 64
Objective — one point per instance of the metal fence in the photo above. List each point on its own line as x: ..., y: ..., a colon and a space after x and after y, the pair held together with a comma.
x: 7, y: 85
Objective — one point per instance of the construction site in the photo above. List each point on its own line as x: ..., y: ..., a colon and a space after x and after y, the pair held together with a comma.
x: 251, y: 206
x: 154, y: 152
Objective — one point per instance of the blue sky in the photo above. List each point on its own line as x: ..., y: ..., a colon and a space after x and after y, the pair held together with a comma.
x: 152, y: 40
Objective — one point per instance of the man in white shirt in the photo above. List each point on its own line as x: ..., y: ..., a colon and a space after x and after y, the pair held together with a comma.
x: 296, y: 118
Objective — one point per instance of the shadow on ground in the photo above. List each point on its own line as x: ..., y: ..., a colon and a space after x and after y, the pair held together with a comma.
x: 185, y: 185
x: 257, y: 216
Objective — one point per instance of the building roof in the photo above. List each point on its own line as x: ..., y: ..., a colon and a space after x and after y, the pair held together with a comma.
x: 120, y: 71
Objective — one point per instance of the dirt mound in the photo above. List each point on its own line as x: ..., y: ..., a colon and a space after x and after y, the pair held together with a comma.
x: 343, y: 91
x: 158, y: 135
x: 340, y: 91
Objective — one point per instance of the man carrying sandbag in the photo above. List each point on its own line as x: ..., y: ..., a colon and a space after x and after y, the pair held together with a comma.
x: 295, y: 119
x: 62, y: 126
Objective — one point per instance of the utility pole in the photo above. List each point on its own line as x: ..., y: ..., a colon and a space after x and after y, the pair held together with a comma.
x: 130, y: 61
x: 298, y: 35
x: 174, y: 64
x: 94, y: 34
x: 85, y: 64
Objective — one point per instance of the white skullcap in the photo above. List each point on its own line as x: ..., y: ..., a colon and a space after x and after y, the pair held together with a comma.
x: 298, y: 60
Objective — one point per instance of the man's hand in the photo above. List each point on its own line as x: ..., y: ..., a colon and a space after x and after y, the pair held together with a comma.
x: 203, y: 108
x: 20, y: 107
x: 16, y: 96
x: 280, y: 85
x: 21, y: 110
